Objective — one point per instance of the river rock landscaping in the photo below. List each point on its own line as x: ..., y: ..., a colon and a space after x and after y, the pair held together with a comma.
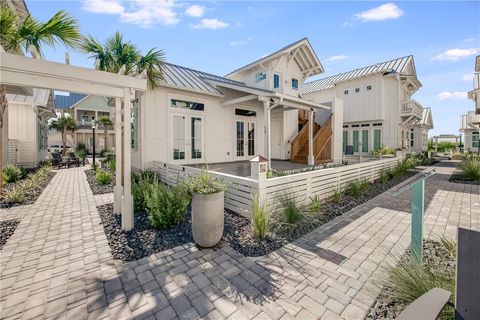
x: 96, y: 187
x: 145, y: 240
x: 7, y: 228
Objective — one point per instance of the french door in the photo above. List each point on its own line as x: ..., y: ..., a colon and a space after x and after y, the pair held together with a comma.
x: 245, y: 139
x: 187, y: 142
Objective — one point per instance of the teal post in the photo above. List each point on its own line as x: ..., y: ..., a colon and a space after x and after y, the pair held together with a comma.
x: 418, y: 189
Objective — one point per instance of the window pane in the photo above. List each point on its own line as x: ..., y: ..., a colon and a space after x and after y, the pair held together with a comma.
x: 251, y: 139
x: 377, y: 139
x: 240, y: 139
x: 364, y: 140
x: 355, y: 141
x: 345, y: 140
x: 196, y: 129
x: 187, y: 105
x: 245, y: 113
x: 178, y: 137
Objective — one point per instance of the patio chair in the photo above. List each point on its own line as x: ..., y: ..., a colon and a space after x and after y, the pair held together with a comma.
x: 72, y: 159
x: 57, y: 160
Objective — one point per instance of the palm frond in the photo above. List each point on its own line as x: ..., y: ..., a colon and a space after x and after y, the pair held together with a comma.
x: 152, y: 62
x: 9, y: 39
x: 61, y: 29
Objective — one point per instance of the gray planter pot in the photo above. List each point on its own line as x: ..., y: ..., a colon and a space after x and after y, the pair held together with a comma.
x: 207, y: 218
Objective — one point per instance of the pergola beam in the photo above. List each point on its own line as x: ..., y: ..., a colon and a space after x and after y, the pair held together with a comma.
x: 239, y: 100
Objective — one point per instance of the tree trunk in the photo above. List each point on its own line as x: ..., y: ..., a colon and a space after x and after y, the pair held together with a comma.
x: 64, y: 140
x: 3, y: 108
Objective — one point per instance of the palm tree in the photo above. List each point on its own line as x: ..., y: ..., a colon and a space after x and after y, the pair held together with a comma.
x: 17, y: 36
x: 106, y: 122
x: 115, y: 53
x: 64, y: 124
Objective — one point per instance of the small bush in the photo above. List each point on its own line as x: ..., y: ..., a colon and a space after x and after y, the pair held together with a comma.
x: 103, y: 177
x: 260, y: 218
x: 81, y: 153
x: 358, y: 187
x: 94, y: 166
x: 166, y: 206
x: 337, y: 196
x: 111, y: 165
x: 15, y: 195
x: 385, y: 176
x: 103, y: 153
x: 291, y: 212
x: 205, y: 184
x: 457, y: 156
x: 139, y: 188
x: 315, y: 204
x: 12, y: 173
x: 470, y: 169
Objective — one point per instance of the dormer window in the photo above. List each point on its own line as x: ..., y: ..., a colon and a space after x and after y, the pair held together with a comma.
x: 345, y: 92
x: 357, y: 90
x: 276, y: 81
x: 294, y: 83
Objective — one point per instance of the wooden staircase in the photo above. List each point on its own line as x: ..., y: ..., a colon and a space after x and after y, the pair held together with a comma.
x: 322, y: 143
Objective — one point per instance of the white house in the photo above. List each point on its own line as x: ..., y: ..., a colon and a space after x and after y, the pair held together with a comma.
x: 196, y: 117
x: 28, y: 127
x: 470, y: 123
x: 84, y: 109
x: 378, y: 106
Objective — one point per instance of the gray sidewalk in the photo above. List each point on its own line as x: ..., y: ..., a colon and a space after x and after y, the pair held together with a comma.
x: 58, y: 263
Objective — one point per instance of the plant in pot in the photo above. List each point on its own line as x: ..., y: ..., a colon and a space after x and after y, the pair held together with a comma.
x: 207, y: 209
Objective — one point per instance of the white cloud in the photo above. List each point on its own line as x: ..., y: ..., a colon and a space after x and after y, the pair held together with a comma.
x: 451, y: 95
x: 456, y: 54
x: 467, y: 77
x: 196, y: 11
x: 141, y: 12
x: 212, y: 24
x: 337, y: 57
x: 384, y: 12
x: 240, y: 42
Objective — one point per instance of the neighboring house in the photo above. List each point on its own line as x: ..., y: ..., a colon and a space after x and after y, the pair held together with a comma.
x: 196, y: 117
x: 470, y: 123
x: 84, y: 109
x: 378, y: 108
x: 28, y: 118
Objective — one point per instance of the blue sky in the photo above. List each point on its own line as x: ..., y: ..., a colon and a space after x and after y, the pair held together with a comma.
x: 219, y: 36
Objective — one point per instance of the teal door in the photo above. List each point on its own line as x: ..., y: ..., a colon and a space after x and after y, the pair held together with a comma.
x: 365, y: 141
x: 377, y: 139
x: 345, y: 140
x: 355, y: 140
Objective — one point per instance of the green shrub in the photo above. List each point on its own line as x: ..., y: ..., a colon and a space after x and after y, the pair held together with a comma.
x: 139, y: 188
x: 15, y: 195
x: 260, y: 218
x: 358, y: 187
x: 111, y: 165
x: 385, y: 175
x: 12, y: 173
x: 337, y: 196
x: 408, y: 280
x: 103, y: 153
x: 165, y: 206
x: 291, y: 212
x: 470, y: 169
x: 103, y: 177
x: 81, y: 153
x: 383, y: 150
x: 315, y: 204
x: 205, y: 184
x: 94, y: 166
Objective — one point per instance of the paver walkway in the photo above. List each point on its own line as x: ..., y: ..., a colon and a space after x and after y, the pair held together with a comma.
x: 58, y: 264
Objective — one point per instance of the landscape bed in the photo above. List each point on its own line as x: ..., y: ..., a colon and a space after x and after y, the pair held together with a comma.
x: 145, y: 240
x: 7, y: 228
x: 95, y: 186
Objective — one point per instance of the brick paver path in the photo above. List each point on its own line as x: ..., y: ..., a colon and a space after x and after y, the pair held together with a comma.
x: 58, y: 264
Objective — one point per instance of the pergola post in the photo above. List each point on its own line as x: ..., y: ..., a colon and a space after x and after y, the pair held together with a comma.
x: 311, y: 159
x: 266, y: 120
x: 127, y: 212
x: 118, y: 189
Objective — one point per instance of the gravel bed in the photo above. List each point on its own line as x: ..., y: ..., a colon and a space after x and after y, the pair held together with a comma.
x: 32, y: 196
x: 95, y: 186
x: 7, y: 228
x: 144, y: 240
x: 437, y: 259
x: 458, y: 178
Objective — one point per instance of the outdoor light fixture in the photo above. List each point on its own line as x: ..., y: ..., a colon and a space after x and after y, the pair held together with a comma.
x: 93, y: 133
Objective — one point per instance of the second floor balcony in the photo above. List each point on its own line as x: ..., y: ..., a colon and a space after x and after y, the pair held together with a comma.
x: 88, y: 125
x: 411, y: 108
x: 470, y: 121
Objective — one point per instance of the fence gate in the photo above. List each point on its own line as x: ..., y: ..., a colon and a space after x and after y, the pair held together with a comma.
x: 12, y: 151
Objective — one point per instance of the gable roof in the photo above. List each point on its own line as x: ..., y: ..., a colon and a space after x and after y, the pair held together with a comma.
x: 301, y: 51
x: 398, y: 65
x: 65, y: 102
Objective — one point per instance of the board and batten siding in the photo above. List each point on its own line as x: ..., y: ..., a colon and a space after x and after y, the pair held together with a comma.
x: 301, y: 186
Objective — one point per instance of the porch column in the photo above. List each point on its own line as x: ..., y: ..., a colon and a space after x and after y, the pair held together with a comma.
x: 127, y: 213
x: 266, y: 120
x: 311, y: 159
x: 118, y: 189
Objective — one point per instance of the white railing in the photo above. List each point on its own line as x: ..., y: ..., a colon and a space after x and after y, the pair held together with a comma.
x: 476, y: 81
x: 473, y: 119
x: 410, y: 108
x: 302, y: 186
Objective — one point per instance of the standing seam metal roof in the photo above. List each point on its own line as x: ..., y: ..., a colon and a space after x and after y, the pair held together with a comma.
x: 65, y: 102
x: 397, y: 65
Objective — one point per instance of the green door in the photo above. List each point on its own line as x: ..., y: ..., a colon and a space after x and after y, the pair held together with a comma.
x: 365, y: 141
x: 355, y: 140
x: 345, y: 140
x: 377, y: 139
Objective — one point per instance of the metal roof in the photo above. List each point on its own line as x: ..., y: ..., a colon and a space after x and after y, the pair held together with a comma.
x: 397, y: 65
x: 309, y: 60
x: 65, y: 102
x: 40, y: 97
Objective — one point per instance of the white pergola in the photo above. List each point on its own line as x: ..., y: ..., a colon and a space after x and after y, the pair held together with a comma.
x: 20, y: 71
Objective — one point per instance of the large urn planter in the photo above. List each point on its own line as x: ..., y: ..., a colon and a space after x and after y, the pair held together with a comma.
x: 207, y: 218
x: 207, y: 209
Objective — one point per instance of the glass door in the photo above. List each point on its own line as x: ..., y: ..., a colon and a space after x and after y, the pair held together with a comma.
x: 365, y: 141
x: 355, y: 141
x: 178, y: 134
x: 245, y: 139
x: 187, y: 138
